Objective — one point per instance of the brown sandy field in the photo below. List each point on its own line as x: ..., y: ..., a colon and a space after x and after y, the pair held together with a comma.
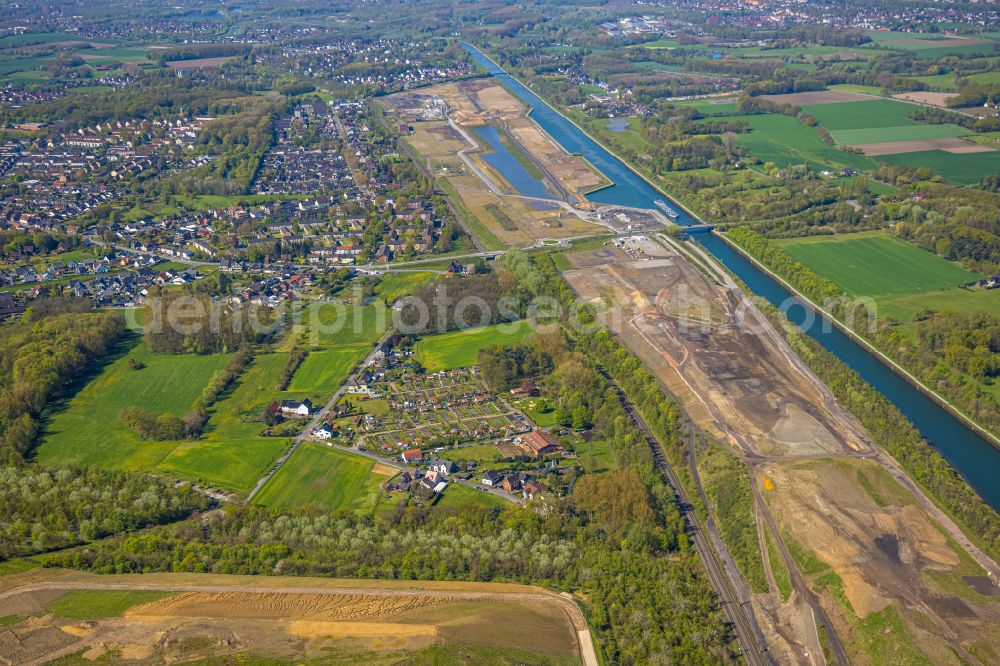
x: 685, y: 327
x: 926, y: 97
x: 948, y: 145
x: 817, y: 97
x: 285, y: 618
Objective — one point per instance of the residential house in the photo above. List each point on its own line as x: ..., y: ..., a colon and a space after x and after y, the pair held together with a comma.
x: 412, y: 455
x: 539, y: 443
x: 533, y: 489
x: 515, y: 481
x: 492, y: 478
x: 296, y: 408
x: 444, y: 467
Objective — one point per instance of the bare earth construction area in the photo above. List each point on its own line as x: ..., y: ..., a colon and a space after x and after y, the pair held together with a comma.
x: 193, y: 616
x: 878, y: 559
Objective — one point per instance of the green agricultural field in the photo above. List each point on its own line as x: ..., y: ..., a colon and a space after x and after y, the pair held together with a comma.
x: 940, y: 82
x: 11, y: 65
x: 658, y: 66
x: 785, y: 141
x: 235, y: 464
x: 956, y: 299
x: 346, y: 324
x: 985, y: 77
x: 966, y: 169
x: 88, y: 431
x: 323, y: 477
x: 324, y: 371
x: 659, y: 44
x: 396, y: 285
x: 457, y: 497
x: 232, y: 453
x: 862, y: 115
x: 458, y: 349
x: 94, y: 604
x: 712, y: 107
x: 991, y: 139
x: 876, y: 264
x: 853, y: 137
x: 32, y: 38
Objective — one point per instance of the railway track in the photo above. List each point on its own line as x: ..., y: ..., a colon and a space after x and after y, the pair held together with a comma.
x: 752, y: 644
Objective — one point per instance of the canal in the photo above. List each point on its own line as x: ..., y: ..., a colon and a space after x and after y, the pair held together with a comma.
x: 501, y: 159
x: 967, y: 451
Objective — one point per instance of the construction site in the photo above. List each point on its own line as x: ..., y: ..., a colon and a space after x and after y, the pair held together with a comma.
x: 848, y: 542
x: 514, y: 184
x: 170, y: 618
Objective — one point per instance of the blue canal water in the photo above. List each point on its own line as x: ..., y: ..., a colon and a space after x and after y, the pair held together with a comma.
x: 967, y: 451
x: 503, y: 161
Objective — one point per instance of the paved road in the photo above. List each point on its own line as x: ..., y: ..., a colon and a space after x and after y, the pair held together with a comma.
x: 317, y: 419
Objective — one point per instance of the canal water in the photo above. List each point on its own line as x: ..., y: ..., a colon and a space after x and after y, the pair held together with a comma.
x: 501, y: 159
x: 967, y: 451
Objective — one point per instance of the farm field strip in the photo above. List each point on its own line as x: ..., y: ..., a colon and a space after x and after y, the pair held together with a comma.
x: 458, y: 349
x: 321, y: 476
x: 966, y: 169
x: 954, y: 146
x: 862, y: 115
x: 851, y: 137
x: 876, y: 264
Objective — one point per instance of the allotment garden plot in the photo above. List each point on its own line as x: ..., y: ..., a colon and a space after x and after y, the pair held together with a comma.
x: 417, y: 411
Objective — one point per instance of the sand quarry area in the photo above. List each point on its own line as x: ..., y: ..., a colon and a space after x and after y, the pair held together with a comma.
x: 186, y: 617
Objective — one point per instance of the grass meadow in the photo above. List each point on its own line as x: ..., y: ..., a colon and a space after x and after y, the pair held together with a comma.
x: 458, y: 498
x: 785, y: 141
x: 862, y: 115
x: 94, y: 604
x: 87, y: 430
x: 231, y: 453
x: 324, y: 371
x: 323, y: 477
x: 853, y: 137
x: 966, y: 169
x: 396, y: 285
x: 458, y: 349
x: 876, y: 264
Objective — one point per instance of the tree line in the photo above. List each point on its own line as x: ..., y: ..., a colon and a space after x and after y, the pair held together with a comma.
x: 39, y: 359
x: 42, y: 509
